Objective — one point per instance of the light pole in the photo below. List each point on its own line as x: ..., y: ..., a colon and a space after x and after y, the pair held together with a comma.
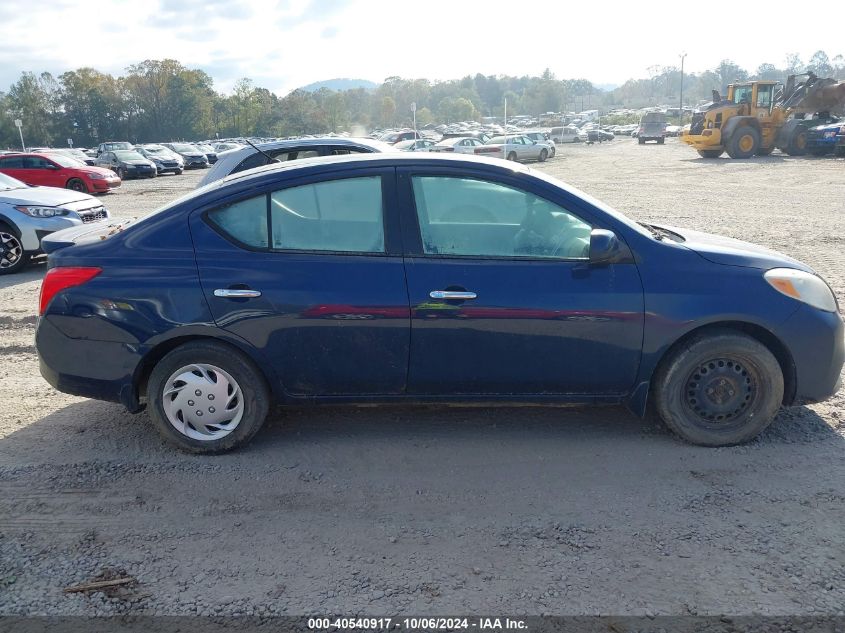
x: 681, y: 108
x: 19, y: 125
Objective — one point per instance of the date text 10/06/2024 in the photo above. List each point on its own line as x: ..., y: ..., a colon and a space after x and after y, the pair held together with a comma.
x: 423, y: 623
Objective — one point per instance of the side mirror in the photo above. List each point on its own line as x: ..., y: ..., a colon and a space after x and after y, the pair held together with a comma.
x: 604, y: 248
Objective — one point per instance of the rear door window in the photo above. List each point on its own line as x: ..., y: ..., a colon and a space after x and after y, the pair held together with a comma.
x: 339, y: 216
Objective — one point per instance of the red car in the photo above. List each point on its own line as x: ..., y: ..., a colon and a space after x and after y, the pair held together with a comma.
x: 57, y: 170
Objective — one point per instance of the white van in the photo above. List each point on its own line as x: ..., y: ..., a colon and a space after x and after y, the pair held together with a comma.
x: 564, y: 134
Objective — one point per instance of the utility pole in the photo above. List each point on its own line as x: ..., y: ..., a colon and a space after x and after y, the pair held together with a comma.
x: 681, y: 108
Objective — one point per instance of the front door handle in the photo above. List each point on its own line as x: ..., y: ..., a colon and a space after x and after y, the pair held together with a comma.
x: 237, y: 293
x: 452, y: 294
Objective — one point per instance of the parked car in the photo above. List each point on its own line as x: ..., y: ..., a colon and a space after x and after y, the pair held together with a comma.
x: 391, y: 138
x: 28, y: 214
x: 459, y: 144
x: 415, y: 145
x: 225, y: 146
x: 481, y: 136
x: 209, y: 152
x: 192, y: 156
x: 111, y: 146
x: 58, y: 170
x: 480, y: 281
x: 652, y: 128
x: 595, y: 135
x: 673, y: 130
x: 566, y: 134
x: 827, y: 139
x: 164, y: 159
x: 541, y: 138
x: 296, y: 149
x: 127, y: 164
x: 78, y: 154
x: 516, y: 147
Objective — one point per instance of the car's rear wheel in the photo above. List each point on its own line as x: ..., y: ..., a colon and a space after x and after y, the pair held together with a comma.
x: 206, y: 397
x: 77, y: 184
x: 12, y: 256
x: 719, y: 389
x: 544, y: 154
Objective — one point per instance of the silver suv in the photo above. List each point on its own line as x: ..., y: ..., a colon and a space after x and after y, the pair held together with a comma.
x: 28, y: 214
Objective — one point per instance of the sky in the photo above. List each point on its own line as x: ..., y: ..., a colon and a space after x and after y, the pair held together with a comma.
x: 285, y: 44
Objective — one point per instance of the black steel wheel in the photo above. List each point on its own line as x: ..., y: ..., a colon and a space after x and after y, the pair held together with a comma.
x: 719, y: 388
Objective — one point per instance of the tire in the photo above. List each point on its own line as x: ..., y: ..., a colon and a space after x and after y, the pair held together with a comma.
x: 12, y: 256
x: 744, y: 142
x: 710, y: 153
x: 641, y: 141
x: 797, y: 143
x: 552, y: 151
x: 178, y: 172
x: 120, y: 173
x: 661, y: 141
x: 512, y: 156
x: 220, y: 369
x: 718, y: 389
x: 77, y: 184
x: 544, y: 154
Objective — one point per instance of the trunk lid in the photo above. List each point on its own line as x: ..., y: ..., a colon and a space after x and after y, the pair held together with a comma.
x: 83, y: 234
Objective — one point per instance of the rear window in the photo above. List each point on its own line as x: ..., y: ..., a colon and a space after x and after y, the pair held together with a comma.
x: 282, y: 155
x: 341, y: 216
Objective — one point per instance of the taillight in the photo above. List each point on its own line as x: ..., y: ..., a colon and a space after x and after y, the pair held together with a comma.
x: 58, y: 279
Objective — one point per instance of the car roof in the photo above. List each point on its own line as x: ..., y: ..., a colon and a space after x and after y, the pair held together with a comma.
x: 396, y: 159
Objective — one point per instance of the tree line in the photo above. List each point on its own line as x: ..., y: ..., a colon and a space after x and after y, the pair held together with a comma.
x: 162, y: 100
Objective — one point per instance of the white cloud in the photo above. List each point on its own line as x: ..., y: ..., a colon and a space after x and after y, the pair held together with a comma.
x: 290, y: 43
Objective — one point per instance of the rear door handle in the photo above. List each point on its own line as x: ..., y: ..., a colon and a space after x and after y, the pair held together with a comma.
x: 452, y: 294
x: 237, y: 293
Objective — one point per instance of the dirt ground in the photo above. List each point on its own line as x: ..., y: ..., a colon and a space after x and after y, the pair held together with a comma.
x: 428, y: 510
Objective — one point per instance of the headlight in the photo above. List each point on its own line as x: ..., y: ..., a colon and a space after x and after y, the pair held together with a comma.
x: 41, y: 212
x: 94, y: 176
x: 804, y: 287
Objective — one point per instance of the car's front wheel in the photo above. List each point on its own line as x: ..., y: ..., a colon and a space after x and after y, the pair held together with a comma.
x: 544, y: 154
x: 718, y: 389
x: 206, y: 397
x: 12, y: 256
x: 77, y: 184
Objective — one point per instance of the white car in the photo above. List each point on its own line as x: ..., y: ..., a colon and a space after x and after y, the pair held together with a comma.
x: 542, y: 138
x: 516, y: 147
x: 458, y: 144
x: 415, y: 145
x: 566, y: 134
x: 248, y: 157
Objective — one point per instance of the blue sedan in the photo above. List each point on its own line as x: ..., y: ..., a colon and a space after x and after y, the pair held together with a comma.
x: 399, y: 277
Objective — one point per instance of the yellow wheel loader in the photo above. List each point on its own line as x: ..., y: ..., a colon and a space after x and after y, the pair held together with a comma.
x: 758, y: 116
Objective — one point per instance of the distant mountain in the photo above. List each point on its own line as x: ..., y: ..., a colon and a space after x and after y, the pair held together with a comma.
x: 606, y: 87
x: 340, y: 84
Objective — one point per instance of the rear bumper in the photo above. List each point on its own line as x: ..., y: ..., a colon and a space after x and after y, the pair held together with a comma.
x: 816, y: 340
x: 81, y: 367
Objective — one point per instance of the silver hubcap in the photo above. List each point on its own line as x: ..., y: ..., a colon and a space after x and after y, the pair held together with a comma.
x: 203, y: 402
x: 11, y: 250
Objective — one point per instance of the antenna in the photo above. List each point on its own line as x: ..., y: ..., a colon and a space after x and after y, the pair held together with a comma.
x: 261, y: 151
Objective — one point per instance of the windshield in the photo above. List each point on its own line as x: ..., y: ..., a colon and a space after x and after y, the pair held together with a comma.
x: 66, y: 161
x: 184, y: 147
x: 127, y: 155
x: 205, y: 148
x: 113, y: 146
x: 498, y: 140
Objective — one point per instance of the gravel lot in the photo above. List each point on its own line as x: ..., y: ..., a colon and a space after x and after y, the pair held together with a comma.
x: 433, y: 510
